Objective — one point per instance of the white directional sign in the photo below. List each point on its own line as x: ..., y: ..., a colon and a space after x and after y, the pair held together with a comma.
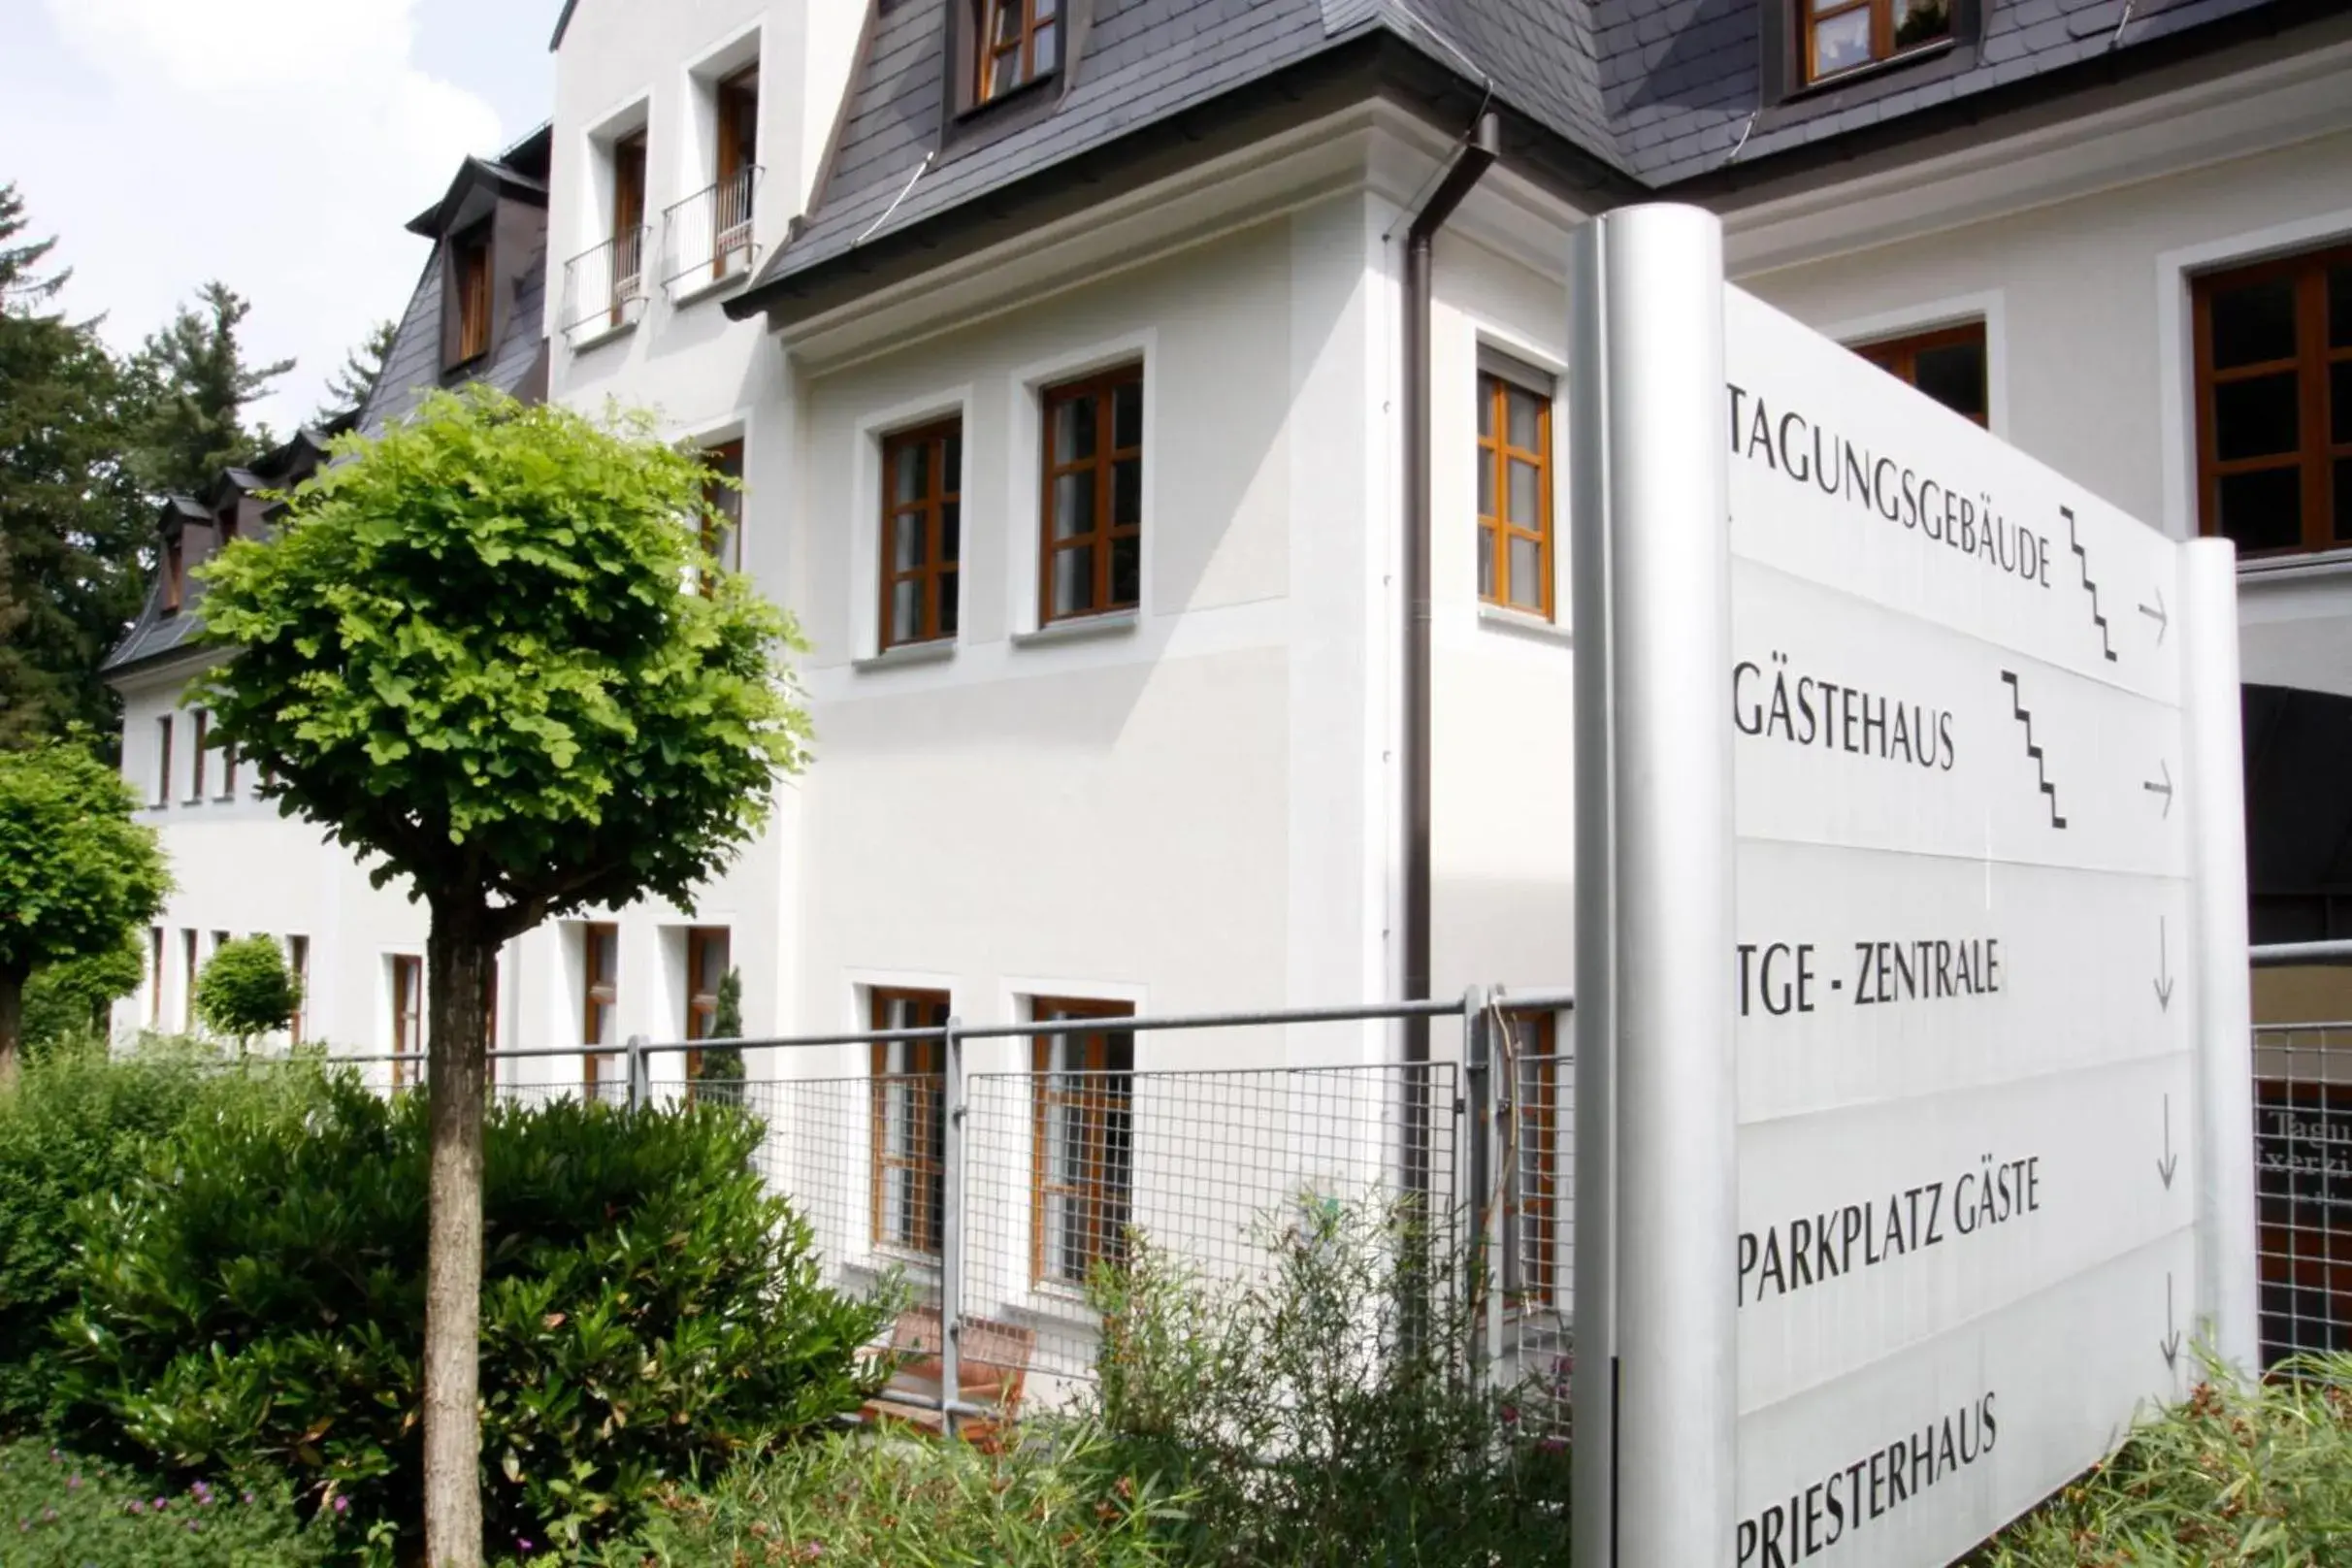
x: 1982, y: 1186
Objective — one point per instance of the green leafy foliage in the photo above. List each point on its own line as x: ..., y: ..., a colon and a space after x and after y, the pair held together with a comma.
x: 71, y: 519
x: 724, y: 1064
x: 256, y: 1296
x: 1316, y: 1415
x: 77, y: 1124
x: 1062, y: 1499
x: 2247, y: 1474
x: 246, y: 989
x: 470, y: 652
x: 68, y: 1000
x: 60, y: 1510
x: 76, y: 871
x: 189, y: 385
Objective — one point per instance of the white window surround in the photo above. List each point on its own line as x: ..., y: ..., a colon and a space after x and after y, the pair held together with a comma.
x: 1497, y: 338
x: 2176, y: 347
x: 1024, y: 465
x: 1990, y: 306
x: 632, y: 113
x: 866, y: 527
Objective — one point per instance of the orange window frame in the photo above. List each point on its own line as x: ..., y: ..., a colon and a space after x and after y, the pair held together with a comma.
x: 2318, y: 454
x: 1496, y: 452
x: 1883, y: 44
x: 722, y: 522
x: 1099, y: 472
x: 909, y: 1122
x: 935, y: 573
x: 599, y: 995
x: 1089, y: 1103
x: 473, y: 281
x: 1024, y: 34
x: 1899, y: 357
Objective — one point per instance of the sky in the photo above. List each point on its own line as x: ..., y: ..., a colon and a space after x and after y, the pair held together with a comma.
x: 280, y: 146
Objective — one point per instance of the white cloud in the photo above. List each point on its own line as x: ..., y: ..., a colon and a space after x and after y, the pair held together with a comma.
x: 278, y: 145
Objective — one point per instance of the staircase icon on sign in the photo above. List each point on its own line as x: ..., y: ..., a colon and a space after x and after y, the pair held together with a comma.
x: 2033, y: 750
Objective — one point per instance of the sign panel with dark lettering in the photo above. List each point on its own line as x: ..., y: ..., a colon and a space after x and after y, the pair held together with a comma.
x: 1963, y: 902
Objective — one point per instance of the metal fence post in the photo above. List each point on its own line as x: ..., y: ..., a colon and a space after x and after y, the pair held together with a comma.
x: 1481, y: 1255
x: 951, y: 1227
x: 640, y: 1088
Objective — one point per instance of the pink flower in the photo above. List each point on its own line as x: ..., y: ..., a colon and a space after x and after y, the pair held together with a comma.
x: 343, y: 1505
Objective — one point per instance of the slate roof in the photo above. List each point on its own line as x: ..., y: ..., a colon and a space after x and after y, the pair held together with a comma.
x: 517, y: 363
x: 1659, y: 93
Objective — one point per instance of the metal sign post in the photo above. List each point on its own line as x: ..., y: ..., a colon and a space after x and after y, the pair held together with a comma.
x: 1915, y: 1124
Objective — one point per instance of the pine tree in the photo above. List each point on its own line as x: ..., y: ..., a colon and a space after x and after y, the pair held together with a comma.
x: 71, y: 522
x: 348, y: 388
x: 192, y: 384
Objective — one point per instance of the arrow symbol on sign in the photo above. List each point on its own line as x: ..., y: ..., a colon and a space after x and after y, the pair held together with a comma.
x: 2157, y: 615
x: 2170, y: 1162
x: 2164, y: 789
x: 2171, y: 1343
x: 2163, y: 968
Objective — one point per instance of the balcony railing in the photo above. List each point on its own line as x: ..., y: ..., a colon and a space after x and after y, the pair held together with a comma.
x: 708, y: 234
x: 605, y: 285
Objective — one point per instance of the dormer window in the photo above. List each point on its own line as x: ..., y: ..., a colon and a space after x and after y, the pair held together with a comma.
x: 1845, y: 35
x: 1017, y: 42
x: 227, y: 519
x: 469, y: 295
x: 175, y: 575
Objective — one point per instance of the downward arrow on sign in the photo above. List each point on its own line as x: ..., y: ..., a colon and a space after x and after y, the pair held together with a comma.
x: 2164, y: 970
x: 2171, y: 1343
x: 2171, y: 1161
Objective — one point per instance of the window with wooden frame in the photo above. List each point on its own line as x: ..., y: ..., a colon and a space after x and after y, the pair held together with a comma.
x: 706, y: 965
x: 228, y: 770
x: 156, y: 977
x: 1514, y: 495
x: 1082, y: 1138
x: 600, y: 997
x: 1948, y: 364
x: 2274, y: 403
x: 736, y: 105
x: 227, y: 519
x: 628, y: 222
x: 196, y: 755
x: 909, y: 1161
x: 1531, y: 1274
x: 408, y: 975
x: 1844, y: 35
x: 1015, y: 43
x: 298, y: 964
x: 469, y: 295
x: 1092, y: 500
x: 163, y: 759
x: 187, y: 968
x: 921, y: 532
x: 175, y: 575
x: 723, y: 517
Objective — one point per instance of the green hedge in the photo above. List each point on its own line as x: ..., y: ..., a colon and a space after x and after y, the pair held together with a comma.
x: 75, y: 1125
x: 257, y: 1297
x: 61, y: 1510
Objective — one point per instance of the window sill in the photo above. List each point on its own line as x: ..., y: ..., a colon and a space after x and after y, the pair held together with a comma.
x: 1079, y: 627
x: 2287, y: 567
x: 935, y: 651
x: 607, y: 334
x: 712, y: 287
x: 1520, y: 623
x: 1874, y: 72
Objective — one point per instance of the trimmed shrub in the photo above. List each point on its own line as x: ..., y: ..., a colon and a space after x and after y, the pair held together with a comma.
x: 61, y: 1510
x: 75, y: 1125
x: 648, y: 1311
x: 68, y: 1000
x: 247, y: 990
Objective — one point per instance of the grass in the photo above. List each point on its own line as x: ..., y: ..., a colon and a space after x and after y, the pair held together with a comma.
x: 2244, y: 1475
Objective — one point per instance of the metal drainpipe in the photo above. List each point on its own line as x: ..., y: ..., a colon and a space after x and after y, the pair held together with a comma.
x: 1478, y: 152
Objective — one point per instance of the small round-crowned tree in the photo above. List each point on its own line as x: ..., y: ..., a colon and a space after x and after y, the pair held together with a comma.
x: 487, y: 649
x: 75, y: 873
x: 246, y: 989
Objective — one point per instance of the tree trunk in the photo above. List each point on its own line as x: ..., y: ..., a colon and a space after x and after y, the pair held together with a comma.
x: 11, y: 1022
x: 458, y: 955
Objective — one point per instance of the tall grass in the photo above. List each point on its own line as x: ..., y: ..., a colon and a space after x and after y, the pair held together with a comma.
x: 2245, y: 1475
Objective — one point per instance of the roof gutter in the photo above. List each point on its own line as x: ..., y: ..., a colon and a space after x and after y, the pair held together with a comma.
x: 1480, y: 149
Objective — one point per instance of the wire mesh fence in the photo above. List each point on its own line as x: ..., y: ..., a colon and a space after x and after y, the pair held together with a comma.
x: 2302, y: 1182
